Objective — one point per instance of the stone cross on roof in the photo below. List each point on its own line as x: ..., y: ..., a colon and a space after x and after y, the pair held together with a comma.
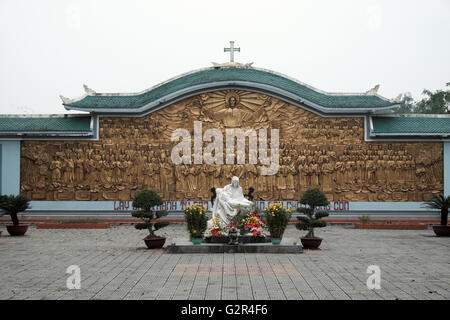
x: 231, y: 49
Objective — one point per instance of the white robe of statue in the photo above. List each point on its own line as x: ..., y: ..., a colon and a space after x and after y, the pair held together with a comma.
x: 227, y: 201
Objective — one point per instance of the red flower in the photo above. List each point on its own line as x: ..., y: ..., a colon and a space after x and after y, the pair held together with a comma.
x: 256, y: 233
x: 215, y: 232
x: 254, y: 214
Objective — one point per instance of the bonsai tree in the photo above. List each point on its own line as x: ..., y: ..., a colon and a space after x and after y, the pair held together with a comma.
x: 144, y: 201
x: 438, y: 201
x: 12, y: 205
x: 313, y: 198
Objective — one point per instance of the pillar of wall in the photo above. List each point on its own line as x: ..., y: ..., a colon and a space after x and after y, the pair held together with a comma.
x: 446, y: 168
x: 9, y: 167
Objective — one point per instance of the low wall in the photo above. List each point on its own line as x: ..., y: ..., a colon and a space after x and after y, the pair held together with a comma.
x: 122, y: 209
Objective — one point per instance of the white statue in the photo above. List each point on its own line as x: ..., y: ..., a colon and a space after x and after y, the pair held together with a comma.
x: 228, y: 199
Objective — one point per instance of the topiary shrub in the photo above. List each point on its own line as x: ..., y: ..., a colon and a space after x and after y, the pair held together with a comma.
x: 12, y: 205
x: 313, y: 198
x: 145, y: 201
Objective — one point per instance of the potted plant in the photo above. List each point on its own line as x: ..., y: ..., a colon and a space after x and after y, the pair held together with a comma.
x: 12, y: 205
x: 313, y: 198
x: 196, y: 222
x: 144, y: 202
x: 442, y: 203
x: 277, y: 219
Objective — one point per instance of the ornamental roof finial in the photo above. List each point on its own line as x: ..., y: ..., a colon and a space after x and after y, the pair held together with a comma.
x: 64, y: 99
x: 373, y: 90
x: 88, y: 90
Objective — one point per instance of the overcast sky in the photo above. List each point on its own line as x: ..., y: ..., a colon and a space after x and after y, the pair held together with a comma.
x: 53, y: 47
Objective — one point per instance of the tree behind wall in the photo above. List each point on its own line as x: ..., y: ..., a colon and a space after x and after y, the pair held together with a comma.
x: 407, y: 105
x: 437, y: 102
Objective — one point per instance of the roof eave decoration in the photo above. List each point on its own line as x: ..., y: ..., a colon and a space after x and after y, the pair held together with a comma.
x: 88, y: 92
x: 225, y: 76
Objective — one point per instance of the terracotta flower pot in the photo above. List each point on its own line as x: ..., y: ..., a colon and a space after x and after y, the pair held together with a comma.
x: 155, y: 243
x: 441, y: 231
x: 311, y: 243
x: 18, y: 230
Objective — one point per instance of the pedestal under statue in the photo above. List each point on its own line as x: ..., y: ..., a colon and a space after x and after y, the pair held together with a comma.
x: 227, y: 202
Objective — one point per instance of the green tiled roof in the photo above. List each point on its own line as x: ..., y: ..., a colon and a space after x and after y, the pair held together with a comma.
x: 411, y: 125
x: 45, y: 124
x: 211, y: 75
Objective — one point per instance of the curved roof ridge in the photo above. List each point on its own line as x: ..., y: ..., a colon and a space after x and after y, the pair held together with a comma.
x: 106, y: 94
x: 244, y: 77
x: 322, y: 91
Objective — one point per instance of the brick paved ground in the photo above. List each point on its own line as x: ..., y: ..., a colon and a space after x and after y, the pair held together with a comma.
x: 115, y: 265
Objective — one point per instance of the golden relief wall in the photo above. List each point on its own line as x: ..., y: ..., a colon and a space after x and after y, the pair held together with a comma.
x: 328, y: 153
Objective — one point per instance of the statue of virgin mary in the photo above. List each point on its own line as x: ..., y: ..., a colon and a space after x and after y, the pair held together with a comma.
x: 227, y: 203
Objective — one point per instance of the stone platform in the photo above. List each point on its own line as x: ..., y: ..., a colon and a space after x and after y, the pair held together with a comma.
x: 242, y: 239
x: 286, y: 246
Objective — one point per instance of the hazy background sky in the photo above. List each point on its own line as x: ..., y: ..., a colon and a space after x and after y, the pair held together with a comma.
x: 49, y: 48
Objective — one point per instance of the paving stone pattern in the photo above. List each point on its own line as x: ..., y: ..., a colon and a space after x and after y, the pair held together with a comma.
x: 115, y: 264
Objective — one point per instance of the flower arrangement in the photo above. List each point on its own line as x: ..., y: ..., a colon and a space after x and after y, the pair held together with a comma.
x: 216, y: 230
x: 277, y: 219
x: 196, y: 219
x: 245, y: 221
x: 235, y: 222
x: 252, y: 222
